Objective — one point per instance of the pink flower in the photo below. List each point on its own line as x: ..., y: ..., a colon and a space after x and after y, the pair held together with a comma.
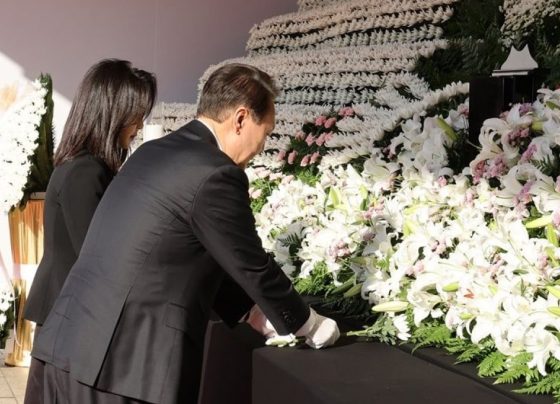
x: 263, y: 172
x: 300, y: 135
x: 256, y: 193
x: 330, y: 122
x: 320, y: 140
x: 528, y: 154
x: 305, y: 160
x: 310, y: 139
x: 556, y: 219
x: 287, y: 179
x: 442, y: 181
x: 319, y: 121
x: 346, y: 111
x: 525, y: 108
x: 281, y: 155
x: 417, y: 268
x: 314, y: 158
x: 328, y: 136
x: 292, y: 156
x: 542, y: 262
x: 469, y: 196
x: 463, y: 110
x: 557, y: 184
x: 479, y: 171
x: 497, y: 168
x: 524, y: 197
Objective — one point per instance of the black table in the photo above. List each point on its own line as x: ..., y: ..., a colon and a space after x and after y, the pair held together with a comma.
x: 239, y: 369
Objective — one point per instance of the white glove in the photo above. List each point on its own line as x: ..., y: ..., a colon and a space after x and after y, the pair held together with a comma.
x: 260, y: 323
x: 319, y: 331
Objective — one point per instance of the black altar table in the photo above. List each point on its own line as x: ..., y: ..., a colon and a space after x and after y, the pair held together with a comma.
x: 239, y: 369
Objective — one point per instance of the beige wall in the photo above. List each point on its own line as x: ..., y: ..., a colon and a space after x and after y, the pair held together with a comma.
x: 177, y: 39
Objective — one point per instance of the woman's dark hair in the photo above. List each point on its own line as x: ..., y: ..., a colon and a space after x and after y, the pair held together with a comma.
x: 233, y: 85
x: 112, y: 95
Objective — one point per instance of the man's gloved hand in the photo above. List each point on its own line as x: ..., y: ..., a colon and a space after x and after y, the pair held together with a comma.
x: 319, y: 331
x: 260, y: 323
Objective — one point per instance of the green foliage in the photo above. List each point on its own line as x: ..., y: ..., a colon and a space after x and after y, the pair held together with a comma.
x: 382, y: 330
x: 474, y: 45
x: 546, y: 385
x: 266, y: 186
x: 319, y: 281
x: 307, y: 147
x: 493, y: 364
x: 549, y: 166
x: 42, y: 160
x: 518, y: 370
x: 543, y: 38
x: 430, y: 334
x: 465, y: 351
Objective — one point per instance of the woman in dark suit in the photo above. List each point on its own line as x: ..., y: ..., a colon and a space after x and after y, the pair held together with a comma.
x: 109, y: 108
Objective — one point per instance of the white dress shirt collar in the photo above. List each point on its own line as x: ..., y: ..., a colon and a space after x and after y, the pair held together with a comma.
x: 213, y: 133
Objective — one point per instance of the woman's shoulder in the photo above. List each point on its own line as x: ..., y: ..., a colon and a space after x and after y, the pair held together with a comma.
x: 83, y: 169
x: 85, y: 162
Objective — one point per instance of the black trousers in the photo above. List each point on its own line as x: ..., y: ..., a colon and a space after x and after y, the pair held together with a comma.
x: 34, y: 387
x: 61, y: 388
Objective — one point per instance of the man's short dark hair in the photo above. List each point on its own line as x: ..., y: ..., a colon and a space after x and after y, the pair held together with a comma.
x: 234, y: 85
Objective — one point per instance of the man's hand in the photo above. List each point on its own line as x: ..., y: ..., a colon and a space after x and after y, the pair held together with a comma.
x: 319, y: 331
x: 260, y: 323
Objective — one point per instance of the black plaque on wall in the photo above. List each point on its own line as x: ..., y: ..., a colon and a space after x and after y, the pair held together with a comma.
x: 490, y: 96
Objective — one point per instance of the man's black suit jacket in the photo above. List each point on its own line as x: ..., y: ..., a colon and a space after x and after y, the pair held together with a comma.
x: 172, y: 238
x: 74, y: 190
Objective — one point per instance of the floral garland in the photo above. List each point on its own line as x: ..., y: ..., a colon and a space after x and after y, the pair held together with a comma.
x: 23, y: 107
x: 380, y: 58
x: 173, y: 115
x: 388, y: 22
x: 371, y: 38
x: 521, y: 17
x: 345, y: 18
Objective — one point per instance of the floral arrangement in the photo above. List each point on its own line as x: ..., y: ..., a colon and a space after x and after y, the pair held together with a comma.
x: 360, y: 52
x: 22, y: 107
x: 461, y: 256
x: 309, y: 28
x: 521, y: 18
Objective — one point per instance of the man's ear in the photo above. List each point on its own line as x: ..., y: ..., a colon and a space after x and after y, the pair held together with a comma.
x: 241, y: 114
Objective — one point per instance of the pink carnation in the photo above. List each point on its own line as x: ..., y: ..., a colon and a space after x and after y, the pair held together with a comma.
x: 305, y: 160
x: 346, y: 111
x: 314, y: 158
x: 281, y: 155
x: 319, y: 121
x: 330, y: 122
x: 310, y: 139
x: 292, y: 157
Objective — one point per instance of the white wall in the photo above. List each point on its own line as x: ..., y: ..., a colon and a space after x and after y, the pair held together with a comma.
x: 176, y: 39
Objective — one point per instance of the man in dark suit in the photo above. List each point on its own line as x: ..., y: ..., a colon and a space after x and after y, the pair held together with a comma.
x: 173, y: 238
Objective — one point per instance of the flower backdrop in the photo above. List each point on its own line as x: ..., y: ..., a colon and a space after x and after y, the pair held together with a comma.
x: 26, y: 148
x: 23, y: 106
x: 367, y: 195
